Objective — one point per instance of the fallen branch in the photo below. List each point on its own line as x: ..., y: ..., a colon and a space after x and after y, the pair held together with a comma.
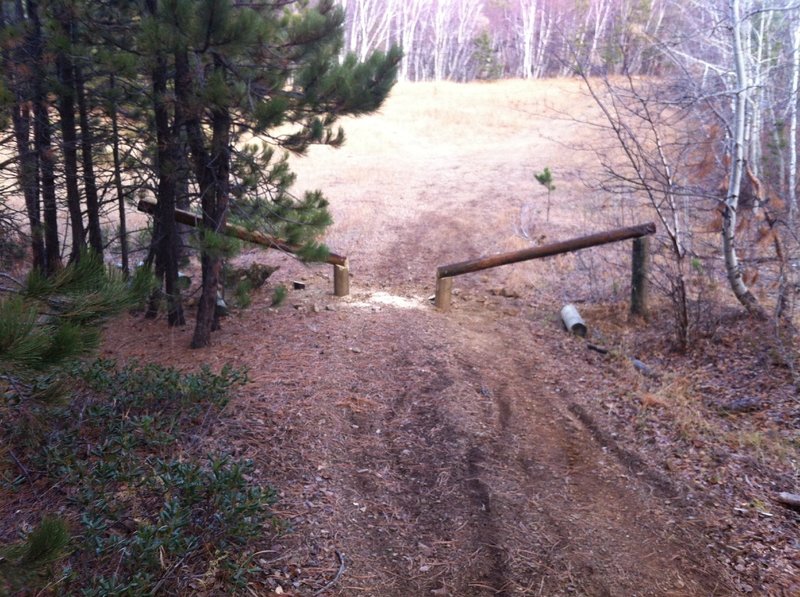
x: 335, y: 578
x: 596, y: 348
x: 789, y: 499
x: 24, y: 471
x: 12, y: 278
x: 169, y: 571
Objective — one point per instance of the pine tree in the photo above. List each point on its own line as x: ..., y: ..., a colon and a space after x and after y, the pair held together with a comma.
x: 15, y: 95
x: 545, y: 178
x: 214, y: 71
x: 48, y: 321
x: 44, y: 58
x: 246, y: 70
x: 42, y: 133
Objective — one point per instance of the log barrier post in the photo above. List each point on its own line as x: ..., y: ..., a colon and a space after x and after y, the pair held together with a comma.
x: 341, y: 279
x: 341, y: 265
x: 640, y: 264
x: 444, y: 290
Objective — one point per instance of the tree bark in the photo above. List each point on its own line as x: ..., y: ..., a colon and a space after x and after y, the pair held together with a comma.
x: 66, y: 112
x: 28, y: 180
x: 43, y: 146
x: 214, y: 192
x: 793, y: 99
x: 27, y: 172
x: 212, y: 170
x: 123, y: 227
x: 87, y: 161
x: 166, y: 240
x: 731, y: 204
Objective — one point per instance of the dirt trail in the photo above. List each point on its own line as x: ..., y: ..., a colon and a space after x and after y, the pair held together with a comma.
x: 441, y: 455
x: 444, y: 459
x: 421, y: 453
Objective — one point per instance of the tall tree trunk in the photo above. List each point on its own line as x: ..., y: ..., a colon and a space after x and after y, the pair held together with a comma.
x: 28, y: 179
x: 527, y: 34
x: 731, y: 205
x: 42, y: 141
x: 87, y: 161
x: 66, y: 112
x: 212, y: 170
x: 123, y: 227
x: 167, y: 240
x: 166, y: 232
x: 215, y: 207
x: 27, y: 173
x: 793, y: 99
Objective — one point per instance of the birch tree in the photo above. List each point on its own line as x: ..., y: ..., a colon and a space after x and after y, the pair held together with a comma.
x: 718, y: 55
x: 737, y: 153
x: 793, y: 108
x: 529, y: 12
x: 657, y: 140
x: 368, y: 25
x: 440, y: 28
x: 407, y: 26
x: 533, y: 31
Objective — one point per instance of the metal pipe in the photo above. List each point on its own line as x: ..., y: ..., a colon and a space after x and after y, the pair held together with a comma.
x: 573, y: 320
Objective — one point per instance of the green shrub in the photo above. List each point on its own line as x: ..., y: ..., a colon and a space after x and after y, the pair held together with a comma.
x: 279, y: 295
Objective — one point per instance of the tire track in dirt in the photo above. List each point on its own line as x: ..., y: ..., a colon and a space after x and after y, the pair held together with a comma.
x: 507, y: 491
x: 580, y: 499
x: 424, y: 449
x: 474, y: 478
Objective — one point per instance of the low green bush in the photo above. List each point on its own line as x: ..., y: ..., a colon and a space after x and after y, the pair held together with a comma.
x: 146, y: 512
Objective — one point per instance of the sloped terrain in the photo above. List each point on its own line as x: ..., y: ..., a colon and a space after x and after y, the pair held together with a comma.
x: 476, y: 452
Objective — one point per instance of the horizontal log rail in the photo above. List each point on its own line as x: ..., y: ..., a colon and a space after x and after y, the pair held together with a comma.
x: 565, y: 246
x: 446, y: 273
x: 341, y: 268
x: 148, y: 206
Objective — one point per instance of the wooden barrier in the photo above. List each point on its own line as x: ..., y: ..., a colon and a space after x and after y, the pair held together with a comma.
x: 445, y: 273
x: 341, y: 265
x: 640, y: 264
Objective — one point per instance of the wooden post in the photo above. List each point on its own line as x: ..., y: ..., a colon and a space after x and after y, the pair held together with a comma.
x: 640, y: 262
x: 444, y: 290
x: 341, y: 279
